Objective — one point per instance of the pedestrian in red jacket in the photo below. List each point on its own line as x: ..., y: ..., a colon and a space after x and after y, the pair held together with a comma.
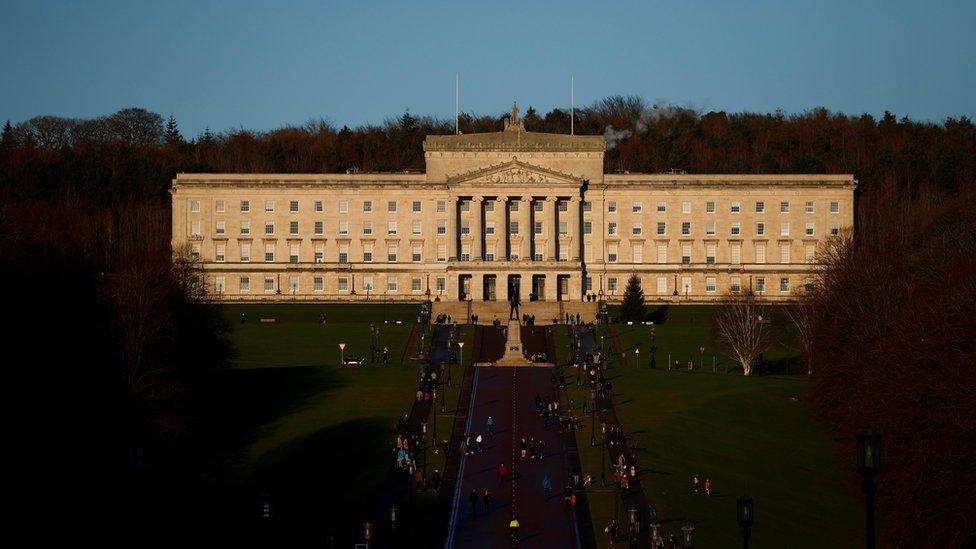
x: 502, y: 471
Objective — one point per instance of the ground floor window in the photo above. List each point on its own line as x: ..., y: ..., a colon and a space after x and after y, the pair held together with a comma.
x: 784, y: 284
x: 317, y: 284
x: 735, y: 285
x: 245, y: 284
x: 710, y: 285
x: 588, y: 284
x: 415, y: 284
x: 219, y: 284
x: 612, y: 284
x: 269, y: 284
x: 343, y: 284
x: 293, y: 284
x: 391, y: 284
x: 760, y: 284
x: 441, y: 284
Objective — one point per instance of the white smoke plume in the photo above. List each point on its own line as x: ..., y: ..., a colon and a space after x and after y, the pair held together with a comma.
x: 612, y: 136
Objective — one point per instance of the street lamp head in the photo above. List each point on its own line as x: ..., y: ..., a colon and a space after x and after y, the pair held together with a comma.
x: 461, y: 344
x: 869, y: 453
x: 745, y: 507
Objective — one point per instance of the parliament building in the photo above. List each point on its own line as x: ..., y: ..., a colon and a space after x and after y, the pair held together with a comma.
x: 501, y: 214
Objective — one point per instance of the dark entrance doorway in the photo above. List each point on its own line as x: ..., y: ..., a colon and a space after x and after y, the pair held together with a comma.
x: 514, y: 284
x: 464, y: 287
x: 539, y: 287
x: 488, y: 293
x: 562, y: 287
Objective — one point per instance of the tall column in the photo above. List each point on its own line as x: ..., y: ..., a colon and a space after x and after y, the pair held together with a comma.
x: 575, y: 231
x: 477, y: 230
x: 501, y: 230
x: 554, y: 230
x: 525, y: 227
x: 452, y: 228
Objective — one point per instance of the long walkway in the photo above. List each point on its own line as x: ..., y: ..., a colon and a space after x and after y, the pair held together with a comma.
x: 507, y: 395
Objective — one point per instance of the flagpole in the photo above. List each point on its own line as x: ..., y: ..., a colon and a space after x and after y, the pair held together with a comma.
x: 457, y: 104
x: 572, y: 102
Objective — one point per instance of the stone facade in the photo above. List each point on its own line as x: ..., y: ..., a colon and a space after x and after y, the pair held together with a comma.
x: 505, y: 212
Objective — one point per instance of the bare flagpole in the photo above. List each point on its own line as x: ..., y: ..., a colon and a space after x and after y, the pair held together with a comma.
x: 572, y: 103
x: 457, y: 104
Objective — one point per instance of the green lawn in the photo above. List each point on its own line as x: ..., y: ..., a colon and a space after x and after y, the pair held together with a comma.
x: 748, y: 435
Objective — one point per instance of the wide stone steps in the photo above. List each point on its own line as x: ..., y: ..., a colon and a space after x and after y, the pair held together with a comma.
x: 544, y: 311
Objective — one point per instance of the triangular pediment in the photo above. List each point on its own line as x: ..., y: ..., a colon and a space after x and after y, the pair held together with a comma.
x: 515, y: 172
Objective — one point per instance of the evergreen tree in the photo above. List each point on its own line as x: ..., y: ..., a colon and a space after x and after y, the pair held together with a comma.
x: 7, y: 140
x: 632, y: 307
x: 172, y: 134
x: 206, y: 138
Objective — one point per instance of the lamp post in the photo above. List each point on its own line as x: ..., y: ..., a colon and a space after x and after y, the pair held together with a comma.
x: 745, y: 514
x: 701, y: 357
x: 869, y: 465
x: 593, y: 424
x: 637, y: 356
x: 393, y: 522
x: 342, y: 353
x: 688, y: 533
x: 435, y: 419
x: 460, y: 359
x: 367, y: 532
x: 632, y: 518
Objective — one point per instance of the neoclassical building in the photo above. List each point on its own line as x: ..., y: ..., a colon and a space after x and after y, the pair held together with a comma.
x: 505, y: 212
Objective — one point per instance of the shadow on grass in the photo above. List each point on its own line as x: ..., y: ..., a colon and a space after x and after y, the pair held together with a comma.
x: 659, y: 315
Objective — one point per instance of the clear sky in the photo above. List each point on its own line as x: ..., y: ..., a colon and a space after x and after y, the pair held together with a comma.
x: 264, y: 64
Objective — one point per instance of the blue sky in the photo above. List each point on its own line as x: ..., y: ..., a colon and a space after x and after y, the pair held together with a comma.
x: 264, y: 64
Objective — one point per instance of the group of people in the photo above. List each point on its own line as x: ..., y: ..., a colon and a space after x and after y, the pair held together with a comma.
x: 528, y: 320
x: 697, y: 485
x: 427, y: 386
x: 443, y: 318
x: 405, y: 446
x: 625, y: 470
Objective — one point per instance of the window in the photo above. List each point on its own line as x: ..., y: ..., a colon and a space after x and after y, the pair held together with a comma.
x: 220, y: 206
x: 391, y: 253
x: 319, y: 227
x: 391, y: 206
x: 686, y: 228
x: 661, y: 226
x: 637, y: 253
x: 538, y: 227
x: 612, y: 228
x: 441, y: 206
x: 415, y: 227
x: 710, y: 254
x: 662, y: 207
x: 808, y: 207
x: 415, y: 285
x: 441, y: 284
x: 686, y: 253
x: 343, y: 284
x: 735, y: 253
x: 343, y: 206
x: 293, y: 253
x: 441, y: 226
x: 319, y: 253
x: 587, y: 227
x: 319, y: 206
x: 809, y: 229
x: 245, y: 252
x: 269, y: 284
x: 760, y: 253
x: 293, y: 284
x: 513, y: 227
x: 760, y: 206
x: 710, y: 207
x: 442, y: 252
x: 465, y: 227
x: 662, y: 253
x: 587, y: 283
x: 220, y: 250
x: 784, y: 207
x: 465, y: 252
x: 834, y: 207
x: 760, y: 284
x: 784, y: 253
x: 710, y: 285
x: 416, y: 254
x: 317, y: 284
x: 562, y: 205
x: 710, y: 228
x: 367, y: 227
x: 415, y: 206
x: 784, y: 284
x: 489, y: 227
x: 293, y: 227
x: 587, y: 205
x: 220, y: 226
x: 612, y: 283
x: 637, y: 207
x: 563, y: 227
x: 513, y: 206
x: 269, y: 227
x: 611, y: 253
x: 537, y: 206
x: 662, y: 285
x: 686, y: 284
x: 269, y: 253
x: 391, y: 227
x: 834, y: 229
x: 464, y: 205
x: 195, y: 206
x: 760, y: 229
x: 269, y: 206
x: 686, y: 207
x: 293, y: 206
x: 636, y: 229
x: 344, y: 253
x: 367, y: 253
x: 784, y: 228
x: 735, y: 207
x: 807, y: 284
x: 735, y: 285
x: 736, y: 230
x: 809, y: 253
x: 195, y: 227
x: 245, y: 227
x: 245, y: 206
x: 612, y: 206
x: 245, y: 284
x: 367, y: 206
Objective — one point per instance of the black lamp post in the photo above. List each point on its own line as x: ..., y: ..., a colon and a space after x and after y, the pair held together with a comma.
x: 367, y: 532
x: 632, y: 518
x: 393, y: 522
x: 869, y: 465
x: 593, y: 425
x: 745, y: 511
x: 435, y: 416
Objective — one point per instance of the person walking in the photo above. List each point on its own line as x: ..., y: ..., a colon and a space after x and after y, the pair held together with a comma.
x: 708, y: 487
x: 547, y: 486
x: 477, y: 443
x: 491, y: 426
x: 473, y: 496
x: 486, y: 501
x: 502, y: 471
x: 695, y: 483
x: 386, y: 354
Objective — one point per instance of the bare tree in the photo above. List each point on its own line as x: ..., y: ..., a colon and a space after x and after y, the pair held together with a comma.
x: 743, y: 326
x: 801, y: 315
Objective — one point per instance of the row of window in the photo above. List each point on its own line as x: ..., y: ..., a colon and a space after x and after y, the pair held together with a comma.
x: 735, y: 228
x: 318, y: 284
x: 220, y: 206
x: 663, y: 285
x: 734, y: 207
x: 735, y: 253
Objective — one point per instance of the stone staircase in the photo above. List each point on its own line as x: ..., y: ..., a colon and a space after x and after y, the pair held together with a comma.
x: 487, y: 311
